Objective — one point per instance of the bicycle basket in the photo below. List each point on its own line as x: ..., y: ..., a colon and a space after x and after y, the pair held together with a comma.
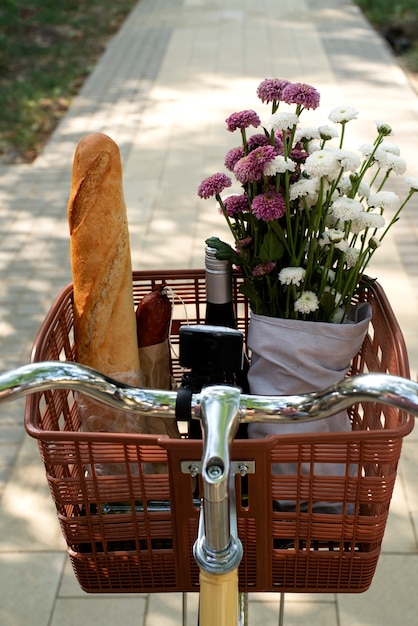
x: 134, y: 531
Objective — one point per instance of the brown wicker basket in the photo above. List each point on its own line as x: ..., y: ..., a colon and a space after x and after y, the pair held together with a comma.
x: 135, y: 532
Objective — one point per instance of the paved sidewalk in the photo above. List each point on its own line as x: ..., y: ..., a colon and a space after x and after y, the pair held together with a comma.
x: 162, y: 90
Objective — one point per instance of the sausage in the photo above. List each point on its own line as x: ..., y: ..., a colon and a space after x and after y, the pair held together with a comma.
x: 153, y: 318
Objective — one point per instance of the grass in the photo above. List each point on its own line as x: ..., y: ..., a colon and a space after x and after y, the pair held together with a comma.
x: 47, y: 49
x: 398, y: 23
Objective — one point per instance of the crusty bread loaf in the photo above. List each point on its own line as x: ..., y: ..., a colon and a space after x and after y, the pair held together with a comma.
x: 104, y: 315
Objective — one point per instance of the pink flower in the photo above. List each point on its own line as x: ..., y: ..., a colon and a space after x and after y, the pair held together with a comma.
x: 213, y: 185
x: 246, y: 242
x: 233, y: 156
x: 250, y: 168
x: 236, y: 204
x: 242, y: 120
x: 263, y: 268
x: 255, y: 141
x: 270, y: 89
x: 302, y: 94
x: 268, y: 206
x: 299, y: 155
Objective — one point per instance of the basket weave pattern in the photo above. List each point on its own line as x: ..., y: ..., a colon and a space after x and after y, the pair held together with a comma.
x: 135, y: 532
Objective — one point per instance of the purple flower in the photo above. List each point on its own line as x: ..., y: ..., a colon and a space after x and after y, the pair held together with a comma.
x: 236, y: 204
x: 250, y: 168
x: 255, y: 141
x: 270, y: 89
x: 213, y: 185
x: 246, y: 242
x: 242, y: 120
x: 268, y: 206
x: 299, y: 155
x: 263, y: 268
x: 302, y: 94
x: 233, y: 156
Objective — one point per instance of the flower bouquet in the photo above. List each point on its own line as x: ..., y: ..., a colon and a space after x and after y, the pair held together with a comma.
x: 311, y: 213
x: 307, y: 222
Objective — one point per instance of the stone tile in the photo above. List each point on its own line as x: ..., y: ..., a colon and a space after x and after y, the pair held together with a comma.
x: 28, y: 583
x: 167, y: 609
x: 295, y: 613
x: 99, y: 610
x: 28, y: 518
x: 391, y: 599
x: 399, y: 535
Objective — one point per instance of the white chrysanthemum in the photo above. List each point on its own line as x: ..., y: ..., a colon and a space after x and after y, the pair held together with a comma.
x: 312, y: 147
x: 306, y: 134
x: 322, y: 163
x: 364, y: 189
x: 307, y: 302
x: 344, y: 185
x: 412, y: 182
x: 304, y: 187
x: 384, y: 200
x: 346, y: 209
x: 393, y: 148
x: 342, y: 245
x: 327, y: 132
x: 341, y: 115
x: 367, y: 220
x: 351, y: 257
x: 292, y: 275
x: 279, y: 165
x: 282, y: 121
x: 331, y: 235
x: 380, y: 155
x: 395, y: 163
x: 383, y: 128
x: 348, y: 160
x: 366, y: 149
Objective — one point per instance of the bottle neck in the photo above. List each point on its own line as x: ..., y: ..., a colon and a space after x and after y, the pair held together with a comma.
x: 219, y: 306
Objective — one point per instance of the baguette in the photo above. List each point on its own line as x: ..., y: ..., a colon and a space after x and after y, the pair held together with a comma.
x: 104, y: 314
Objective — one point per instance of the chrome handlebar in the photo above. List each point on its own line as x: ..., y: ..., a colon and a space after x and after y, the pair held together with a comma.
x: 386, y: 389
x: 220, y: 409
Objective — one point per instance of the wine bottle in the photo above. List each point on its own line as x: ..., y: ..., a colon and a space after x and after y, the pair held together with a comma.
x: 213, y: 353
x: 220, y: 311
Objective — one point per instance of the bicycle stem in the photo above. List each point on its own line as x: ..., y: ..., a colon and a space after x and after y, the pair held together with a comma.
x: 217, y: 548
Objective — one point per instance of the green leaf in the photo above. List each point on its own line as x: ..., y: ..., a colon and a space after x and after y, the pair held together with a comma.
x: 279, y: 232
x: 271, y: 249
x: 223, y: 250
x: 250, y: 292
x: 327, y: 304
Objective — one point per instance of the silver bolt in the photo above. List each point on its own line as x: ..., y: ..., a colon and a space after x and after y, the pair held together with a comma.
x: 214, y: 471
x: 194, y: 470
x: 243, y: 469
